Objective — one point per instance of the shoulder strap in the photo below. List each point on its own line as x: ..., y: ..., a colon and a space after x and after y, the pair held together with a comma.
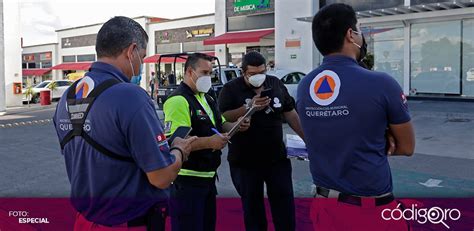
x: 78, y: 110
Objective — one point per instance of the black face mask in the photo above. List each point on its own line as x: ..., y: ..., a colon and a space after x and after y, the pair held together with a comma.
x: 363, y: 49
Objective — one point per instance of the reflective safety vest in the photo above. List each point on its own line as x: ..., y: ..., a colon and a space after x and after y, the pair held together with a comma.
x: 202, y: 163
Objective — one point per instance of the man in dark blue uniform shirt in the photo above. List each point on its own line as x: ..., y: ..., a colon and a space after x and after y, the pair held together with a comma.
x: 345, y: 111
x: 117, y: 158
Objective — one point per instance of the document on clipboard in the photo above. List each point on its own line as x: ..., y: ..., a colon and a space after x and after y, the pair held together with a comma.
x: 248, y: 114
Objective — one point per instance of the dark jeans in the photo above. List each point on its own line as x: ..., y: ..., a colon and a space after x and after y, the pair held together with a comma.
x: 249, y: 183
x: 192, y: 205
x: 152, y: 88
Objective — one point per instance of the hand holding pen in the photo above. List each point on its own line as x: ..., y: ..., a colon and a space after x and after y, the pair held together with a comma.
x: 218, y: 141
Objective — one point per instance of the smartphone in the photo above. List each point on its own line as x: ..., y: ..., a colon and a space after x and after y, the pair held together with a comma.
x: 180, y: 132
x: 266, y: 92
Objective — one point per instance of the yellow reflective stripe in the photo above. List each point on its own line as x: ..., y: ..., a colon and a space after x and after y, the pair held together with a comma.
x: 187, y: 172
x: 202, y: 100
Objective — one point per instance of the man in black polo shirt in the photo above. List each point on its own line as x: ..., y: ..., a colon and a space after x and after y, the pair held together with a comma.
x: 258, y: 155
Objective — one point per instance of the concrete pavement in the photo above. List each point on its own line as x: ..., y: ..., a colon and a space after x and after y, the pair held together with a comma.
x: 32, y: 165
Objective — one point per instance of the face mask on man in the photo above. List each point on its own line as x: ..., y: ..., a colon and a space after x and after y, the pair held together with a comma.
x: 257, y: 80
x: 203, y: 83
x: 139, y: 74
x: 362, y: 48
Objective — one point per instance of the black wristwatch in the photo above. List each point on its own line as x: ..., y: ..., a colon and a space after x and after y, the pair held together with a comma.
x: 180, y: 151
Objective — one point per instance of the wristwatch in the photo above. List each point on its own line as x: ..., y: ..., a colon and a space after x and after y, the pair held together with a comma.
x: 183, y: 158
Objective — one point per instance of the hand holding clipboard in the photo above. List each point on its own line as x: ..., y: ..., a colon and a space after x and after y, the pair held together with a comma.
x: 247, y: 115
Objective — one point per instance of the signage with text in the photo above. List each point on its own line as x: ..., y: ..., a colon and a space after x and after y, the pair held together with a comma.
x: 199, y: 33
x: 250, y: 5
x: 184, y: 35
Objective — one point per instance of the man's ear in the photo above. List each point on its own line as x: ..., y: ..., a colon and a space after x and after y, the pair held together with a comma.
x: 350, y: 35
x: 129, y: 51
x: 187, y: 71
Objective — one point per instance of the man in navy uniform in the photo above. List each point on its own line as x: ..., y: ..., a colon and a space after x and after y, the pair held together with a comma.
x: 345, y: 111
x: 117, y: 157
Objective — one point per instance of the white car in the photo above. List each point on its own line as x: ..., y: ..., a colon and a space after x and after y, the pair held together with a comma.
x: 291, y: 79
x: 227, y: 74
x: 62, y: 86
x: 470, y: 75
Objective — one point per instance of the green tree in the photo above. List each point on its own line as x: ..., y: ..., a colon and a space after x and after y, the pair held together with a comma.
x: 29, y: 94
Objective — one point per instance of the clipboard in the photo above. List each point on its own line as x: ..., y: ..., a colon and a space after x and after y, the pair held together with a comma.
x: 249, y: 113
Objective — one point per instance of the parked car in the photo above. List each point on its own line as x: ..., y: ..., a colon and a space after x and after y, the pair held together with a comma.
x: 220, y: 75
x: 61, y: 86
x: 291, y: 79
x: 227, y: 74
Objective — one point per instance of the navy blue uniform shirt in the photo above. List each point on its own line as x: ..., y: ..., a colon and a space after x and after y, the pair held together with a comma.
x: 344, y: 111
x: 123, y: 119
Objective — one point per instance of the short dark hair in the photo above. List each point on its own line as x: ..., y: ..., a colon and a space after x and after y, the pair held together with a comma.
x: 194, y: 58
x: 117, y: 34
x: 330, y: 26
x: 252, y: 58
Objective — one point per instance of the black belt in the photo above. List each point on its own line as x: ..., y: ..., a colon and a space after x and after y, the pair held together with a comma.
x: 355, y: 200
x: 154, y: 219
x: 137, y: 222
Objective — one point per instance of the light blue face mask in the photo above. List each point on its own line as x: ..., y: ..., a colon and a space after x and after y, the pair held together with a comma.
x: 136, y: 79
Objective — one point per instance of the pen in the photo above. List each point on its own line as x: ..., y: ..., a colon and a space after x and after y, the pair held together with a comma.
x: 219, y: 134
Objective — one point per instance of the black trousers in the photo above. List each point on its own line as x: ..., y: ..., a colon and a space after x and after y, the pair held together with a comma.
x: 249, y: 183
x: 152, y: 88
x: 192, y: 204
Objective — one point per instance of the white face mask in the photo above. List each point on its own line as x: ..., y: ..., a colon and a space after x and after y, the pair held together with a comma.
x: 203, y: 83
x: 257, y: 80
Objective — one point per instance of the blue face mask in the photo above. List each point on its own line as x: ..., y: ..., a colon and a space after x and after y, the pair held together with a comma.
x: 136, y: 78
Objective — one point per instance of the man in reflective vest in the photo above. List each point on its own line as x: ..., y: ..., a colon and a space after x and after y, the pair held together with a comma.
x: 193, y: 193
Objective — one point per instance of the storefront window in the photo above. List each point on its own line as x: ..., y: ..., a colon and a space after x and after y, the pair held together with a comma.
x: 86, y: 58
x: 261, y: 21
x: 69, y: 59
x: 435, y: 58
x: 46, y: 64
x: 388, y: 46
x: 267, y: 51
x: 468, y: 57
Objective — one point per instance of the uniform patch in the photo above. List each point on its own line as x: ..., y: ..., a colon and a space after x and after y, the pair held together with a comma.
x: 168, y: 127
x: 162, y: 142
x: 276, y: 102
x: 161, y: 138
x: 404, y: 98
x: 84, y: 87
x: 200, y: 112
x: 324, y: 89
x: 164, y: 148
